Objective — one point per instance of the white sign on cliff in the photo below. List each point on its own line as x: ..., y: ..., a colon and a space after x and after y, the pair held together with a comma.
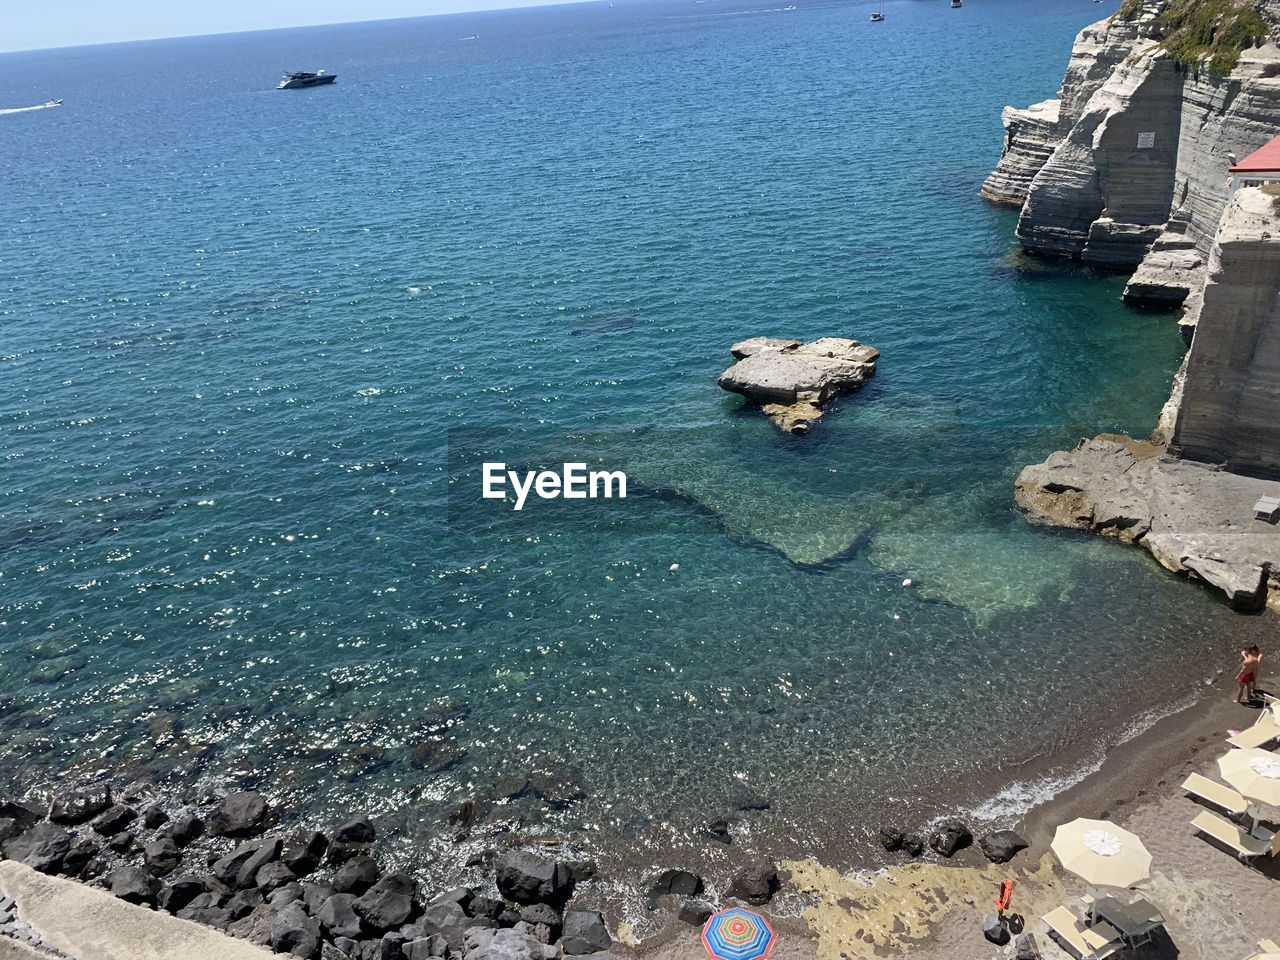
x: 1146, y: 141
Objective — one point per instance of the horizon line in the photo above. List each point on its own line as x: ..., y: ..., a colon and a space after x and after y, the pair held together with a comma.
x: 490, y: 7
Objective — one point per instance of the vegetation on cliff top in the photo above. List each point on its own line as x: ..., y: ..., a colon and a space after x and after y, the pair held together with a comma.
x: 1206, y: 31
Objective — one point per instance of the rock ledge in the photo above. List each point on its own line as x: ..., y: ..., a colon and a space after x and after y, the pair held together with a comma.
x: 792, y: 381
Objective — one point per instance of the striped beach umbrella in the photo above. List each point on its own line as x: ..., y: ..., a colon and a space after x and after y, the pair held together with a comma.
x: 737, y: 934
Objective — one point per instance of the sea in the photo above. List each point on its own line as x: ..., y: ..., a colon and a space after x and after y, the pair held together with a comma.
x: 255, y: 344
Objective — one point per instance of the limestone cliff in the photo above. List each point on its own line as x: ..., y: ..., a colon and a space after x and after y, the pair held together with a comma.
x: 1187, y: 493
x: 1135, y: 176
x: 1140, y: 179
x: 1033, y: 133
x: 1230, y: 409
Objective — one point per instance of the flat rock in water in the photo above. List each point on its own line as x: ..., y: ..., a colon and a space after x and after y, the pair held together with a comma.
x: 792, y: 381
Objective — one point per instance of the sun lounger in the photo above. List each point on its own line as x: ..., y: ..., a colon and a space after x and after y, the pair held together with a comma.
x: 1220, y: 795
x: 1260, y: 734
x: 1088, y: 943
x: 1244, y: 845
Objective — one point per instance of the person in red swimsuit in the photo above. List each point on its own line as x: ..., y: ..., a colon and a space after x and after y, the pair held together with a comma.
x: 1250, y: 660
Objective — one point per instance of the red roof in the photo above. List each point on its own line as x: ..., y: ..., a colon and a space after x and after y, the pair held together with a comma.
x: 1263, y: 160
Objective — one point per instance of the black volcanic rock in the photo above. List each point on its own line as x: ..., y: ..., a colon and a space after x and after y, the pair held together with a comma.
x: 244, y: 903
x: 179, y: 894
x: 543, y: 914
x: 20, y: 813
x: 133, y: 885
x: 244, y: 862
x: 77, y: 806
x: 485, y: 907
x: 240, y: 815
x: 339, y: 918
x: 303, y: 851
x: 695, y: 912
x: 1002, y: 845
x: 527, y: 878
x: 950, y: 838
x: 273, y: 876
x: 293, y: 932
x: 42, y: 848
x: 355, y: 830
x: 356, y: 876
x: 388, y: 904
x: 161, y: 856
x: 584, y: 933
x: 185, y: 830
x: 675, y: 883
x: 114, y: 819
x: 755, y: 883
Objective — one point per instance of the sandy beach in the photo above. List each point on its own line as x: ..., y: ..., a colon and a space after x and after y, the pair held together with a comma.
x: 1217, y: 908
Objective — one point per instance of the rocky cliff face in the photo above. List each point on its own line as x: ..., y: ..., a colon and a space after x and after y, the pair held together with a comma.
x: 1140, y: 179
x: 1220, y: 118
x: 1229, y: 413
x: 1187, y: 493
x: 1136, y: 172
x: 1033, y: 133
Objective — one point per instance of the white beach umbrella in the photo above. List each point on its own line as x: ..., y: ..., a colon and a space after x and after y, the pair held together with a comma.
x: 1255, y: 773
x: 1101, y: 854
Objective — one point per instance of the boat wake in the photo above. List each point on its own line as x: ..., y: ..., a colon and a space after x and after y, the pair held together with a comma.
x: 38, y: 106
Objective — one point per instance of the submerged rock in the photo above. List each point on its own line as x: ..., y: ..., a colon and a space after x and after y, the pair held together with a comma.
x: 891, y: 838
x: 792, y: 381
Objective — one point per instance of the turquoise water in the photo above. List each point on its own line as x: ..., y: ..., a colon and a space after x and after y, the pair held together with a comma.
x: 250, y: 337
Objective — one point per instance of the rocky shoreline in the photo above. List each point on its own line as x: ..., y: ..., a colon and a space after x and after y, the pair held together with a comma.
x: 1128, y: 170
x: 228, y: 863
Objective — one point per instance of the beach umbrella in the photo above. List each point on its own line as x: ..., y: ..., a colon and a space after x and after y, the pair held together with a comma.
x: 1101, y: 854
x: 737, y: 934
x: 1255, y: 773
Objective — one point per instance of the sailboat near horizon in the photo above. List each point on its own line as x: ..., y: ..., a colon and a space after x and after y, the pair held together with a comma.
x: 877, y: 15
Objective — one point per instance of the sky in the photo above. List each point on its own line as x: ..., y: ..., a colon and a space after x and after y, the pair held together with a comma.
x: 36, y: 25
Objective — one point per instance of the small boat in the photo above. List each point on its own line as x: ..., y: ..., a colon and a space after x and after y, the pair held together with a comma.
x: 956, y: 4
x: 877, y: 16
x: 52, y: 103
x: 301, y: 78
